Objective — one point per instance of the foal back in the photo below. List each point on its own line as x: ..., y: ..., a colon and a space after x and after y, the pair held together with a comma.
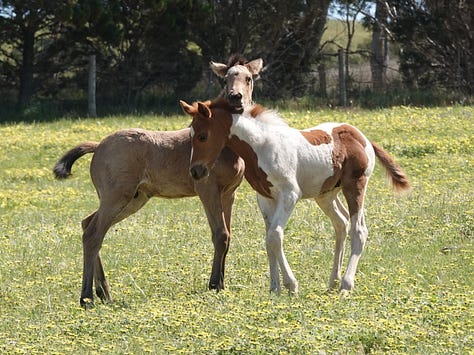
x: 138, y: 161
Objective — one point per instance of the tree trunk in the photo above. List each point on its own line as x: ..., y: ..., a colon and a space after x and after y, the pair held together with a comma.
x: 379, y: 48
x: 27, y: 67
x: 291, y: 60
x: 92, y: 87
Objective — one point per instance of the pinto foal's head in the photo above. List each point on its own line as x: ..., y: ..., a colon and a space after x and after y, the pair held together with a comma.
x: 209, y: 132
x: 238, y: 79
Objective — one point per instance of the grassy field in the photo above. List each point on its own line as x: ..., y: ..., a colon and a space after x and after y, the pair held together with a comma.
x: 414, y: 288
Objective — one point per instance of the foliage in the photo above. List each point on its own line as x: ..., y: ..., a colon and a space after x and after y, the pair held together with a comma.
x: 138, y: 44
x: 414, y: 293
x: 294, y: 49
x: 437, y: 49
x: 157, y: 49
x: 158, y: 46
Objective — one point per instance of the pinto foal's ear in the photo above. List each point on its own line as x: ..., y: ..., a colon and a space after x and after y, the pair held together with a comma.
x: 190, y: 110
x: 254, y: 66
x: 219, y: 69
x: 203, y: 108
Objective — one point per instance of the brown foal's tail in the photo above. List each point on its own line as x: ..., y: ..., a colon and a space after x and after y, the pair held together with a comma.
x: 63, y: 167
x: 396, y: 177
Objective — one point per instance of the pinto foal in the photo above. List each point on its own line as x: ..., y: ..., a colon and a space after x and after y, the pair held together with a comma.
x: 285, y: 165
x: 131, y: 166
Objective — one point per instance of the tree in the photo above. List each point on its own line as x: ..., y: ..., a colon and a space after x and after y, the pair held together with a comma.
x: 293, y: 47
x: 157, y: 47
x: 155, y: 52
x: 379, y: 46
x: 44, y: 42
x: 350, y: 11
x: 437, y: 42
x: 90, y: 30
x: 23, y: 26
x: 139, y: 44
x: 285, y: 34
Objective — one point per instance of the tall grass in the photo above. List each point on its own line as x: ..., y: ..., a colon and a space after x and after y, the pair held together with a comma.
x: 414, y: 288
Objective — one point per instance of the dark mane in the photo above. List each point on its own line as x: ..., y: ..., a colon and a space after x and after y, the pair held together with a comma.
x: 236, y: 59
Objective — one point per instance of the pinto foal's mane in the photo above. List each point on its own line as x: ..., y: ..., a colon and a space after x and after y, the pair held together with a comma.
x: 258, y: 112
x: 236, y: 59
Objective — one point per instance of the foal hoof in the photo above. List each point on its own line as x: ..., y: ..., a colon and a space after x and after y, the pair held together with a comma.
x: 346, y: 288
x: 86, y: 303
x: 344, y: 293
x: 104, y: 295
x: 216, y: 286
x: 347, y: 285
x: 292, y: 287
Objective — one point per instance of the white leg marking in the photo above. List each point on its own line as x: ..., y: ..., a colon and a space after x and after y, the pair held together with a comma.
x: 276, y: 214
x: 333, y: 208
x: 359, y: 236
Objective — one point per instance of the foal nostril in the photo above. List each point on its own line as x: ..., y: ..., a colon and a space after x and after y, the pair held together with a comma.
x: 235, y: 96
x: 198, y: 172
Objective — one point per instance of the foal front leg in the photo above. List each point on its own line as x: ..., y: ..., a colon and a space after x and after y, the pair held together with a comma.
x: 276, y: 214
x: 211, y: 199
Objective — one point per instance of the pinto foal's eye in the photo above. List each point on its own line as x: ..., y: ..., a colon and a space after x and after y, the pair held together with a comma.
x: 202, y: 137
x: 248, y: 79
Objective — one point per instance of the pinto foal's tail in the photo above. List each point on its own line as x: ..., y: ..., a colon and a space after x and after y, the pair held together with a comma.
x: 63, y: 167
x: 395, y: 175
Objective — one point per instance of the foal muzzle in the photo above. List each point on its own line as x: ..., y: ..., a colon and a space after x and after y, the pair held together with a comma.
x: 235, y: 99
x: 198, y: 171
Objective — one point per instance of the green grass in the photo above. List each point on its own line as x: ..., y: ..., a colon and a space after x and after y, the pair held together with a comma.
x: 414, y: 287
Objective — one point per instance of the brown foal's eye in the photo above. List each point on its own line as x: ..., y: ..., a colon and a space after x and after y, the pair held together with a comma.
x: 202, y: 137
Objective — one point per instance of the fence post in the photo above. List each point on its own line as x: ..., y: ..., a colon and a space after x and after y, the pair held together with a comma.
x: 322, y: 80
x: 342, y: 79
x: 92, y: 109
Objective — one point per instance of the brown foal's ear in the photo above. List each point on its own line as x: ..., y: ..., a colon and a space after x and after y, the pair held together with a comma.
x: 190, y: 110
x: 203, y: 108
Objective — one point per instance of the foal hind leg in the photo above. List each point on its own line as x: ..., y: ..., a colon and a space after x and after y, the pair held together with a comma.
x: 101, y: 284
x: 358, y: 231
x: 95, y: 226
x: 92, y: 239
x: 337, y: 213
